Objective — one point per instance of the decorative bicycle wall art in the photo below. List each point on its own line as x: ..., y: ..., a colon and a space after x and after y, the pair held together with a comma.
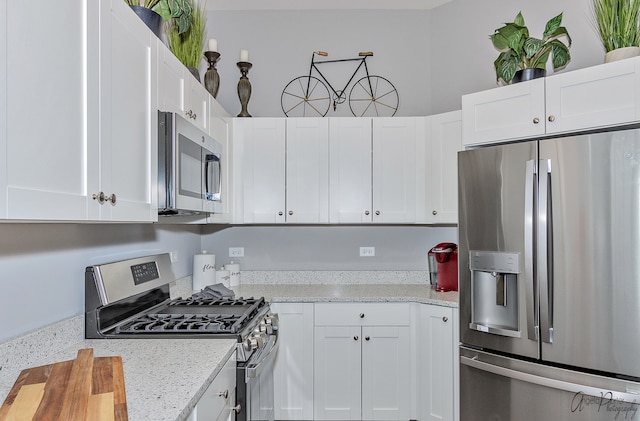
x: 309, y: 96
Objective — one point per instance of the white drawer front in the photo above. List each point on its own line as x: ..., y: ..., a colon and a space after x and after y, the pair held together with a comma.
x: 362, y: 314
x: 220, y: 395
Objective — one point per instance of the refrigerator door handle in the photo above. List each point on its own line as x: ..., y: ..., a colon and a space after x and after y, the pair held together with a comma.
x: 531, y: 292
x: 545, y: 264
x: 578, y: 389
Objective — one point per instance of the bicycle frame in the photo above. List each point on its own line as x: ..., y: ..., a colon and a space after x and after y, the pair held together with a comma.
x: 314, y: 65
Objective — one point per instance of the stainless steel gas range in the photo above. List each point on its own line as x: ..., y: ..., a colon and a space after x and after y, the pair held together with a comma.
x: 130, y: 299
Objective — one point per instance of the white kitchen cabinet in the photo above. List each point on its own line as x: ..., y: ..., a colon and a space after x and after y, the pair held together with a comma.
x: 259, y: 162
x: 284, y: 166
x: 307, y: 181
x: 220, y: 129
x: 443, y: 144
x: 93, y: 131
x: 217, y: 402
x: 122, y: 113
x: 293, y: 368
x: 438, y: 364
x: 377, y: 174
x: 350, y: 170
x: 363, y: 362
x: 398, y: 170
x: 508, y: 112
x: 3, y: 107
x: 179, y: 91
x: 599, y: 96
x: 43, y: 139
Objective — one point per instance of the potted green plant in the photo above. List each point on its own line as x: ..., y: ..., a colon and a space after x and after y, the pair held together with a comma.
x: 154, y: 12
x: 523, y: 57
x: 188, y: 46
x: 617, y: 23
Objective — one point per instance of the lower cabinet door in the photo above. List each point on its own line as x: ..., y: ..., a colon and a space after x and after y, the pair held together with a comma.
x: 386, y: 373
x: 293, y: 368
x: 337, y: 373
x: 438, y: 364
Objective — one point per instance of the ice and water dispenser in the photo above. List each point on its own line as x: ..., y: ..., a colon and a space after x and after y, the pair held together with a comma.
x: 494, y: 292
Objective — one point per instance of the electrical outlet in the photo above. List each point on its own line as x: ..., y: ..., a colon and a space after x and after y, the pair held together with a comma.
x: 367, y: 251
x: 236, y: 251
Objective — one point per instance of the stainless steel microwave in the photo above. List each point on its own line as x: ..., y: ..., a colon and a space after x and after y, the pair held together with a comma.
x: 189, y: 168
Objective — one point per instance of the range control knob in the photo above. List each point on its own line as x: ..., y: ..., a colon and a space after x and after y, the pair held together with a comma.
x: 254, y: 341
x: 273, y: 321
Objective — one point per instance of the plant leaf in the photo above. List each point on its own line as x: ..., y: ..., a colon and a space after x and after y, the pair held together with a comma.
x: 532, y: 46
x: 552, y: 25
x: 499, y: 42
x: 519, y: 20
x: 561, y: 55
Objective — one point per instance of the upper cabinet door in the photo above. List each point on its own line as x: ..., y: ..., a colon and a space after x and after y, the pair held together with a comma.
x: 398, y: 145
x: 171, y: 81
x: 508, y: 112
x: 444, y: 143
x: 350, y: 166
x: 307, y: 183
x: 123, y: 88
x: 43, y: 139
x: 262, y: 155
x: 598, y: 96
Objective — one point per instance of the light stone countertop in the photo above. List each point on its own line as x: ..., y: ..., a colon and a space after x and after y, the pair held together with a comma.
x: 419, y: 293
x: 164, y: 378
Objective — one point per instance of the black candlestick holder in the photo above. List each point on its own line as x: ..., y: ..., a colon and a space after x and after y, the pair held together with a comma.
x: 211, y: 77
x: 244, y: 87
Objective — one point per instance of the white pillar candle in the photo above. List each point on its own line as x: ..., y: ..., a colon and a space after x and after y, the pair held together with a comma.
x: 213, y: 45
x: 244, y: 55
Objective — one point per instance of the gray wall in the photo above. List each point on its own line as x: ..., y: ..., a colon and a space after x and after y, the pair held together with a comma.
x: 42, y: 265
x: 328, y: 247
x: 432, y: 56
x: 280, y: 45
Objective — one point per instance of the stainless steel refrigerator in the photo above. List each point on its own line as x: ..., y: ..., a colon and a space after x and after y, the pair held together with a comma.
x: 549, y: 272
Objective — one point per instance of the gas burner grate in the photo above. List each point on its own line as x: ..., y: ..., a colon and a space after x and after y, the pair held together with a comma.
x: 179, y: 323
x: 229, y: 302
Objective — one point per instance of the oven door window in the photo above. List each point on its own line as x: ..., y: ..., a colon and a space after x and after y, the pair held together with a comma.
x: 212, y: 179
x: 190, y: 168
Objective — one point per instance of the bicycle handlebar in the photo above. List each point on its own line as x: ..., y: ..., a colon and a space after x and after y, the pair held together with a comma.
x: 321, y: 53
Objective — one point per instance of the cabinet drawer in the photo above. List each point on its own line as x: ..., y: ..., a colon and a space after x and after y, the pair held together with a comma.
x: 362, y: 314
x: 213, y: 402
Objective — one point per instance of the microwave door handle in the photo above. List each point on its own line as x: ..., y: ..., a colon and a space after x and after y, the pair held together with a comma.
x: 531, y: 292
x: 208, y: 190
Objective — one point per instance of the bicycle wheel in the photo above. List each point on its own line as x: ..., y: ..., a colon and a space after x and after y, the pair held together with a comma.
x: 298, y: 101
x: 373, y: 96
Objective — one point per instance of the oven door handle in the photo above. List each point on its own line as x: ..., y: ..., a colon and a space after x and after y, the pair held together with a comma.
x: 254, y: 369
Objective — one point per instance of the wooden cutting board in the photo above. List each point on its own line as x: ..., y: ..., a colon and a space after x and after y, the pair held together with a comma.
x: 86, y: 388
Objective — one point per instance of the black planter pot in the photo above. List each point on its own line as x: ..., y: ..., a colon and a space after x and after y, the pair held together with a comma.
x: 528, y: 74
x: 150, y: 18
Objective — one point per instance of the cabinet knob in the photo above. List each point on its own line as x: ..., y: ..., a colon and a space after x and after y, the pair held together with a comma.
x: 536, y: 120
x: 224, y: 394
x: 445, y: 319
x: 280, y: 213
x: 366, y: 212
x: 434, y: 212
x: 111, y: 199
x: 377, y: 212
x: 355, y: 338
x: 100, y: 197
x: 366, y: 338
x: 236, y: 408
x: 362, y: 315
x: 290, y: 212
x: 552, y: 118
x: 191, y: 114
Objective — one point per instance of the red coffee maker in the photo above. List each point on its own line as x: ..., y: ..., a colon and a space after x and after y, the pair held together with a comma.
x: 446, y: 256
